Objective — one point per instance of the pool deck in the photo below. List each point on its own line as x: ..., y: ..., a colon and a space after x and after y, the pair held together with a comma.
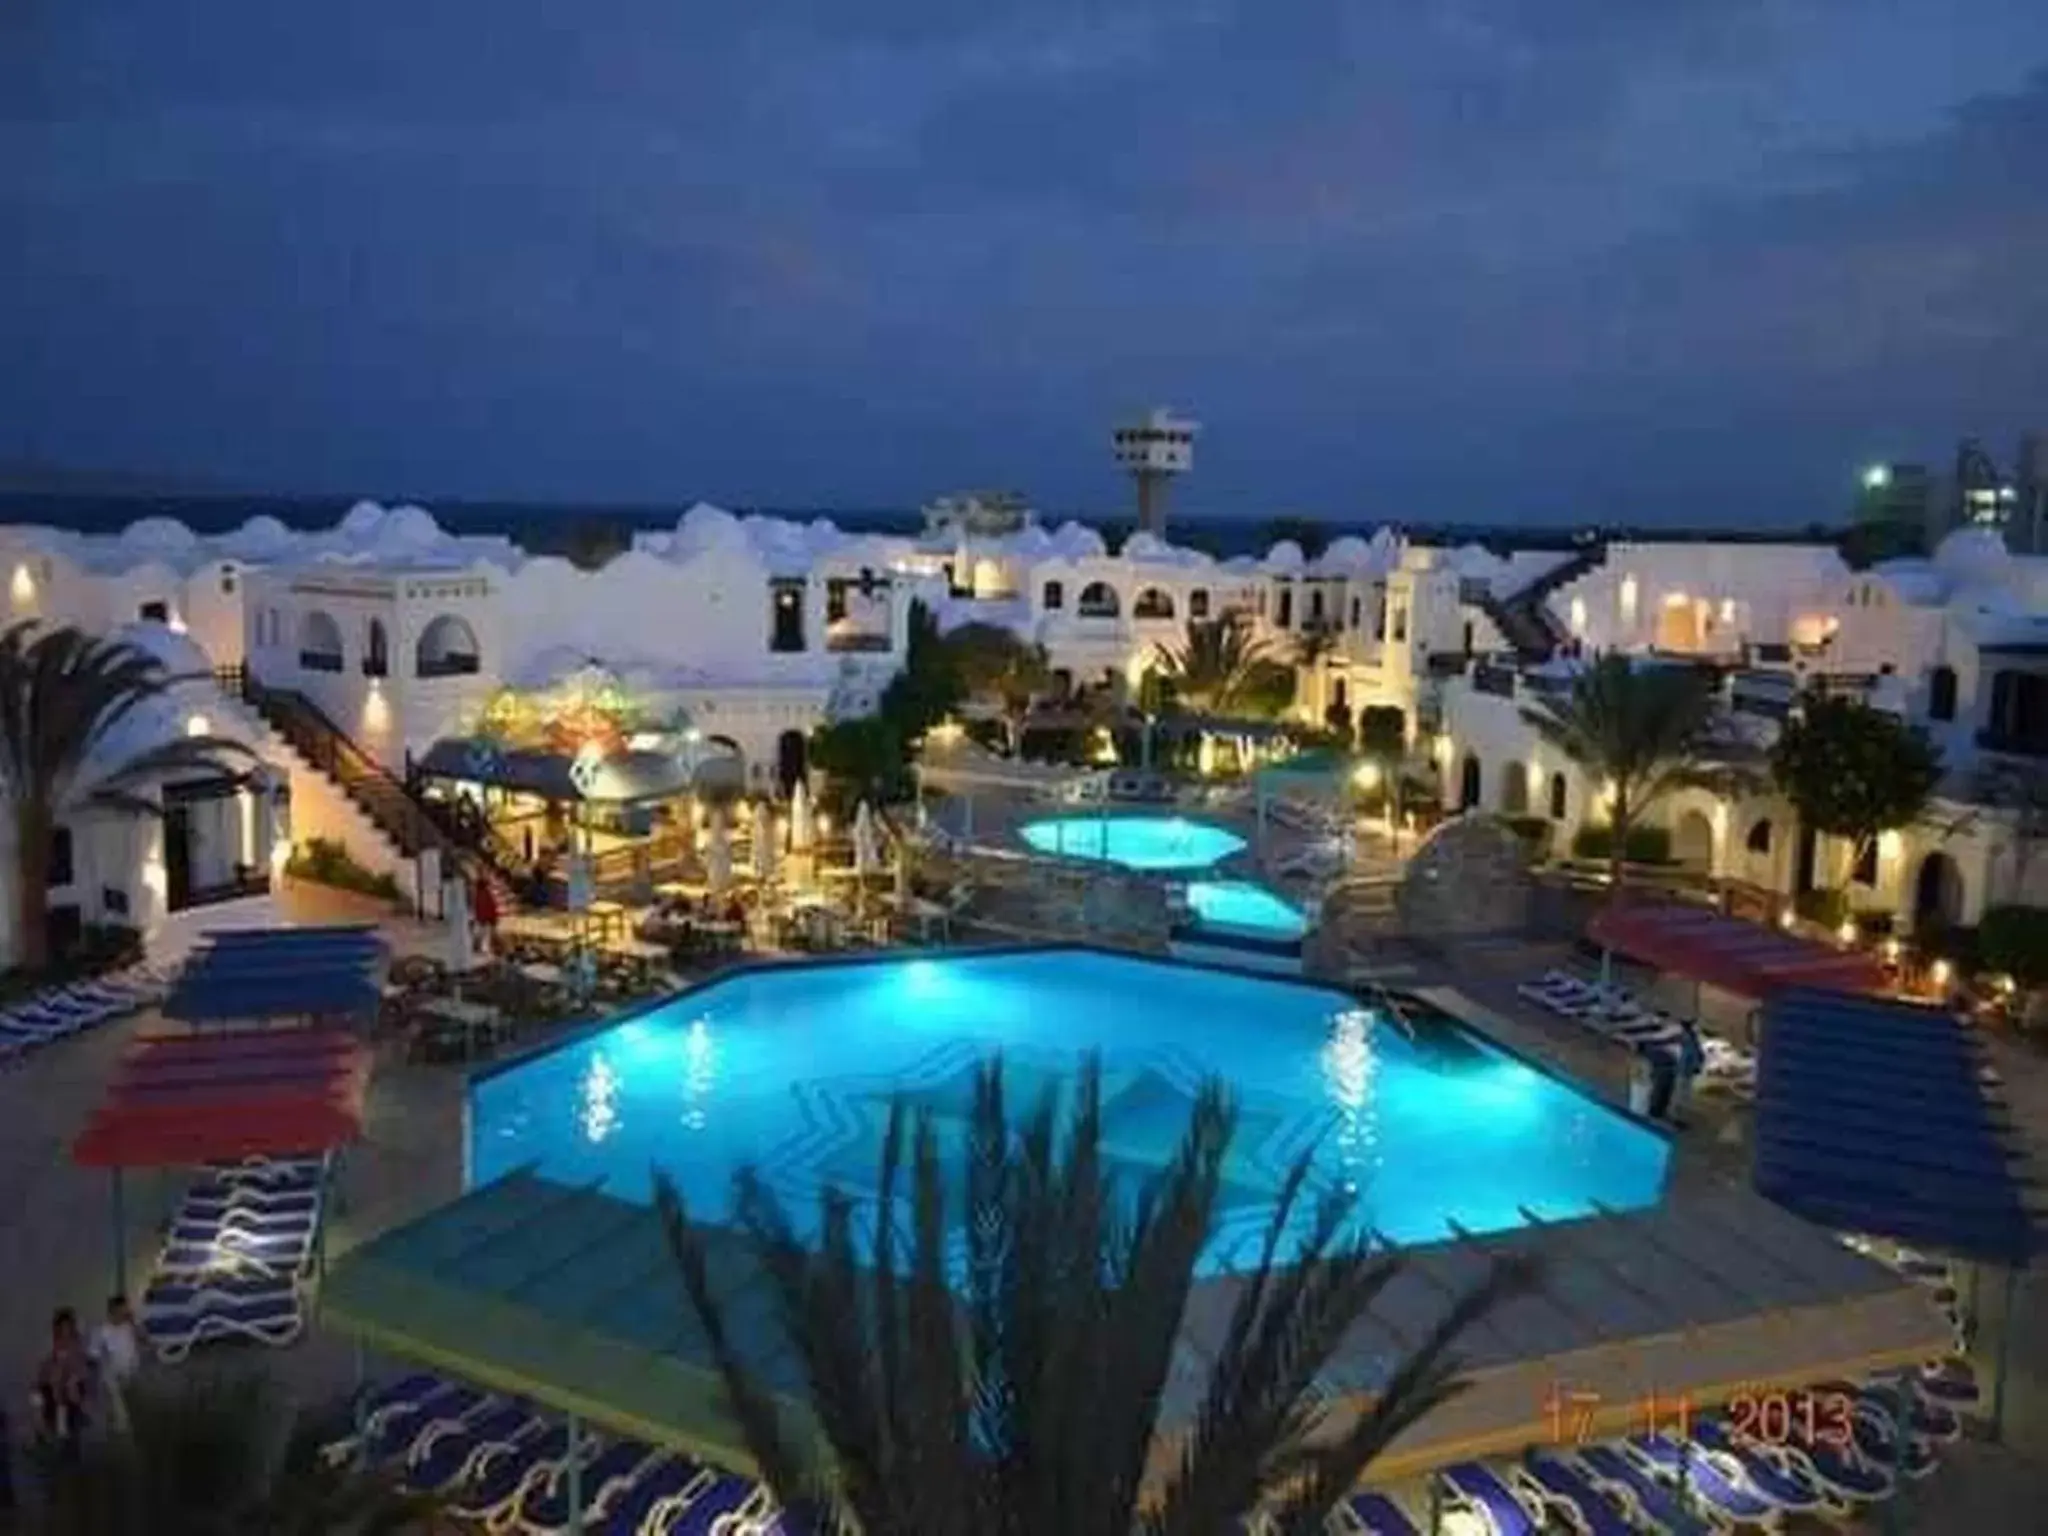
x: 54, y: 1223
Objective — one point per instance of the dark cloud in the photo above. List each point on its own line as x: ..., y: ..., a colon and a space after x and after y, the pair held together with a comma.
x: 1531, y: 255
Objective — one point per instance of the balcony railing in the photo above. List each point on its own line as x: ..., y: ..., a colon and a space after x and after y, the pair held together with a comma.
x: 455, y: 664
x: 319, y: 661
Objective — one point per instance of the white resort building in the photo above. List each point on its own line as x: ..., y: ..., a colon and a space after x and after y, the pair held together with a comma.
x: 346, y: 654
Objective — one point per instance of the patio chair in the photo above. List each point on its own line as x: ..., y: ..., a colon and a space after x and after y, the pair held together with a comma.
x: 1505, y: 1511
x: 1658, y: 1501
x: 1951, y: 1382
x: 267, y: 1312
x: 1843, y: 1474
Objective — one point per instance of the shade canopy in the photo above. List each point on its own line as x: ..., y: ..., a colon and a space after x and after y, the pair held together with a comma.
x: 621, y: 778
x: 275, y: 972
x: 1729, y: 953
x: 177, y: 1101
x: 1879, y: 1117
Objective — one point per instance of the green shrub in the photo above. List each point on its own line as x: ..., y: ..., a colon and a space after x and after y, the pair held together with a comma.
x: 1646, y: 845
x: 326, y: 862
x: 2014, y: 940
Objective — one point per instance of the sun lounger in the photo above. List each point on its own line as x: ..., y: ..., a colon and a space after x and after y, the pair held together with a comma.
x: 446, y: 1453
x: 273, y: 1172
x: 1564, y: 1486
x: 1372, y: 1514
x: 666, y: 1483
x: 174, y: 1299
x: 1950, y: 1382
x: 497, y: 1477
x: 609, y: 1468
x: 1658, y: 1501
x: 214, y: 1249
x: 1701, y: 1470
x: 275, y: 1319
x: 391, y: 1434
x: 715, y: 1509
x: 1769, y: 1473
x: 1843, y: 1473
x: 1505, y: 1512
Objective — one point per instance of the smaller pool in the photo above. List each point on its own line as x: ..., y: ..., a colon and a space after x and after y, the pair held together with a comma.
x: 1242, y: 906
x: 1135, y: 842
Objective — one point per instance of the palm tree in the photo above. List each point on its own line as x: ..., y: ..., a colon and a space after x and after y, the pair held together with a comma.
x: 1643, y: 731
x: 1023, y: 1393
x: 61, y: 693
x: 1219, y: 666
x: 222, y: 1453
x: 992, y: 662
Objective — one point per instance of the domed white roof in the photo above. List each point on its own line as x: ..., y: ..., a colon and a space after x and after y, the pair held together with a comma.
x: 1972, y: 557
x: 260, y: 536
x: 361, y: 521
x: 407, y: 529
x: 159, y: 535
x: 1286, y: 556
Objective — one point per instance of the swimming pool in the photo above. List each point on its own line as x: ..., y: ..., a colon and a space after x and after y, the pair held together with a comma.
x: 1136, y: 842
x: 791, y: 1069
x: 1244, y: 906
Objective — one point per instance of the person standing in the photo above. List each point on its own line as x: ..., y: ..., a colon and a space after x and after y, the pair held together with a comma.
x: 63, y: 1385
x: 484, y: 910
x: 116, y: 1351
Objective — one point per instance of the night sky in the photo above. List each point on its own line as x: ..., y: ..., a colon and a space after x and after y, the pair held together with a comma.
x: 1540, y: 260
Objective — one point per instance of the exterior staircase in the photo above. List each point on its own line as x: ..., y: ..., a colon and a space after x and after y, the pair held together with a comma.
x: 384, y: 800
x: 1525, y: 620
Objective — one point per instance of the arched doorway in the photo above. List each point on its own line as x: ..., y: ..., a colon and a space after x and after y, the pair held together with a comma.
x: 1469, y: 783
x: 792, y: 756
x: 447, y: 648
x: 1938, y: 892
x: 1692, y: 841
x: 1514, y: 789
x: 1558, y: 797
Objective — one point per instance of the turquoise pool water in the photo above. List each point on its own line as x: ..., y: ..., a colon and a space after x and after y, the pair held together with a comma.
x: 1244, y: 906
x: 1136, y: 842
x: 791, y: 1070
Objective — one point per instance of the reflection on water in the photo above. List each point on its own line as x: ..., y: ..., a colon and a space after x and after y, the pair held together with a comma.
x: 1349, y: 1065
x: 600, y: 1090
x: 700, y: 1074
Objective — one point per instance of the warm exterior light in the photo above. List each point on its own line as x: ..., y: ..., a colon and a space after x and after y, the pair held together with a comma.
x: 1890, y: 845
x: 1727, y: 610
x: 1846, y: 932
x: 1877, y: 477
x: 23, y: 589
x: 196, y: 725
x: 1578, y: 616
x: 1941, y: 973
x: 1787, y: 918
x: 376, y: 712
x: 1890, y: 950
x: 1366, y: 776
x: 280, y: 855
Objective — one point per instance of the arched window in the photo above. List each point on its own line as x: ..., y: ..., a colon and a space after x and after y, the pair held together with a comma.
x: 1283, y: 611
x: 319, y: 643
x: 1152, y: 603
x: 1315, y: 605
x: 1941, y: 693
x: 1865, y: 872
x: 1098, y: 600
x: 447, y: 648
x: 1514, y: 789
x: 1759, y: 839
x: 1054, y: 596
x: 1198, y: 603
x: 1557, y: 797
x: 1469, y: 784
x: 376, y: 651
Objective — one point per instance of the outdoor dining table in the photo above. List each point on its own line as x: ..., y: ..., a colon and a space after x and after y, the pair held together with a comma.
x: 471, y: 1018
x: 604, y: 916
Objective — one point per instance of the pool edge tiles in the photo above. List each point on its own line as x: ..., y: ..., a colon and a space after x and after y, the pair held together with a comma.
x: 789, y: 1067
